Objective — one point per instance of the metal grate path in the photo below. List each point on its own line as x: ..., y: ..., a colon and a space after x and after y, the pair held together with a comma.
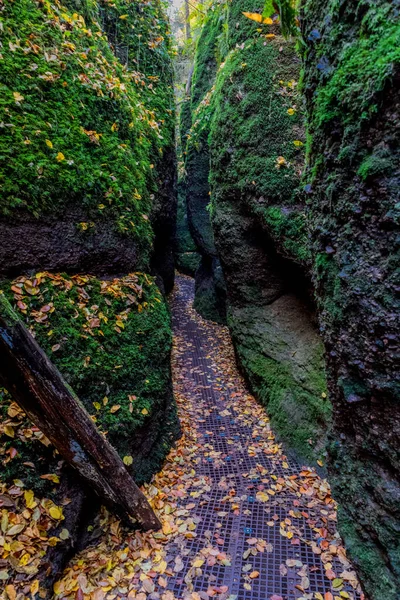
x: 269, y: 516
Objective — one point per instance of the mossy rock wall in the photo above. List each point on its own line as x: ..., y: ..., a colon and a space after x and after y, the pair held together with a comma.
x: 351, y: 83
x: 187, y: 257
x: 210, y: 289
x: 111, y: 341
x: 88, y: 180
x: 259, y: 220
x: 87, y: 145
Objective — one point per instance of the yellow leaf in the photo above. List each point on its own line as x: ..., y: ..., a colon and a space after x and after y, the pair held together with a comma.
x: 24, y: 559
x: 114, y: 127
x: 162, y: 566
x: 53, y: 541
x: 11, y: 593
x: 8, y: 430
x: 127, y: 460
x: 166, y: 528
x: 258, y: 18
x: 198, y: 563
x: 262, y: 497
x: 29, y: 499
x: 49, y: 143
x: 60, y: 156
x: 58, y: 587
x: 114, y: 408
x: 145, y: 411
x: 253, y: 16
x: 34, y: 587
x: 291, y: 111
x: 298, y: 143
x: 17, y: 97
x: 120, y: 323
x: 123, y: 16
x: 97, y: 405
x: 56, y: 512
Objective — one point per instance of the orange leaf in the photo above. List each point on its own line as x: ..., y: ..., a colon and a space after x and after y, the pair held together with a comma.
x: 254, y: 574
x: 258, y: 18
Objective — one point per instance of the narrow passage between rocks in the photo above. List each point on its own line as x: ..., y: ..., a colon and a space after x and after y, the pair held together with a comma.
x: 241, y: 520
x: 273, y: 521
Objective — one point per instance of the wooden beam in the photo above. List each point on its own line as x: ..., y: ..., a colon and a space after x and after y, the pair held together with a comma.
x: 40, y: 390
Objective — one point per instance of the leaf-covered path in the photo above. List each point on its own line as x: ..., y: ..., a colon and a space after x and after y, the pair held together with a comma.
x: 240, y: 519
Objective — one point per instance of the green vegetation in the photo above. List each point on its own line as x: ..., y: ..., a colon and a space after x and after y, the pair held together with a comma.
x: 295, y: 394
x: 246, y: 147
x: 111, y: 341
x: 78, y: 127
x: 257, y: 138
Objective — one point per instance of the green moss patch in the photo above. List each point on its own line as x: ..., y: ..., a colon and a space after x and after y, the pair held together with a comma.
x: 79, y: 128
x: 282, y: 358
x: 111, y: 341
x: 257, y: 139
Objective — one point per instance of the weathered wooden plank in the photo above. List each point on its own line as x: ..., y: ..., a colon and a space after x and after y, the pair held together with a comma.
x: 40, y: 390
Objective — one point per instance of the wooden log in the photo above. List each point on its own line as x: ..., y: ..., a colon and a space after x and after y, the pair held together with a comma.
x: 40, y: 390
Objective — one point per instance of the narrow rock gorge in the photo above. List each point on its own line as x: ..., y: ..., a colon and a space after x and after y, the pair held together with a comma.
x: 284, y: 227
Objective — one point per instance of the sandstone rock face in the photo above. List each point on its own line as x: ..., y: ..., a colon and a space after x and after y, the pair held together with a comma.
x: 210, y: 288
x: 89, y: 170
x: 187, y: 257
x: 260, y: 230
x: 352, y: 76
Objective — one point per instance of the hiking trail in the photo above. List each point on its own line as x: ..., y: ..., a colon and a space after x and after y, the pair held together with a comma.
x: 241, y: 519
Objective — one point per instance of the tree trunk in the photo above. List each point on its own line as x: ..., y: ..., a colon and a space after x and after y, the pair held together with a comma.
x: 38, y: 387
x: 187, y: 21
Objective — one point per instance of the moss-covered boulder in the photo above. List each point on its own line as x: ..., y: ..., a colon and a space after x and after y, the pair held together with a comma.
x: 111, y: 341
x: 140, y: 37
x: 210, y: 288
x: 351, y: 83
x: 84, y: 137
x: 259, y: 219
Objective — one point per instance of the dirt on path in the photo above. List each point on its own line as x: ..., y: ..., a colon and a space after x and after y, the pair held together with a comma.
x: 241, y: 520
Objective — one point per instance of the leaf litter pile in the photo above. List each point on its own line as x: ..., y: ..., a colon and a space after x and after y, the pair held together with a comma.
x: 240, y: 519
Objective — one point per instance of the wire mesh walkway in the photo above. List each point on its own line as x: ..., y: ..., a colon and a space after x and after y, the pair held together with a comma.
x: 274, y: 521
x: 241, y: 521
